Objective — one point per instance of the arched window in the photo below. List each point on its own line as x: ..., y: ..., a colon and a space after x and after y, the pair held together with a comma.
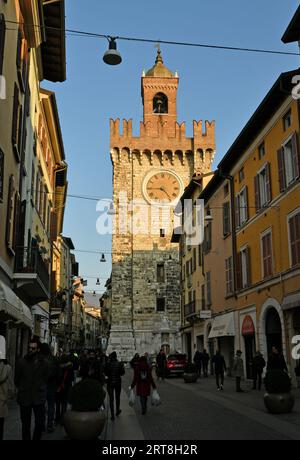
x: 160, y: 103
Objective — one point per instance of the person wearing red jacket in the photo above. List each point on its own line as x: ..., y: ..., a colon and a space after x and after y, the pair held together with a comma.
x: 143, y: 381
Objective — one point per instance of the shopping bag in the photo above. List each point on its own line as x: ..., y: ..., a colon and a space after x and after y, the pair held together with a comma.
x: 155, y: 398
x: 131, y: 398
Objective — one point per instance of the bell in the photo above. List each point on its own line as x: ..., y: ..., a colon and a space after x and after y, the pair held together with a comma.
x: 103, y: 258
x: 112, y: 55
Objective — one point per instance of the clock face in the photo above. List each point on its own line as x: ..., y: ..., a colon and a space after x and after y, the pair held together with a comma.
x: 162, y: 186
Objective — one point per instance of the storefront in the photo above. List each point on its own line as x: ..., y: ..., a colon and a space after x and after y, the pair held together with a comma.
x: 223, y: 333
x: 248, y: 333
x: 291, y: 308
x: 15, y: 323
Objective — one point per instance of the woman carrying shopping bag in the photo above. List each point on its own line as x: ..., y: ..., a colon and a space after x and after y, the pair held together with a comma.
x: 143, y: 381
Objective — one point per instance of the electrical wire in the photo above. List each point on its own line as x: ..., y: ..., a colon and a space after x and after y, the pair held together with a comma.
x: 80, y: 33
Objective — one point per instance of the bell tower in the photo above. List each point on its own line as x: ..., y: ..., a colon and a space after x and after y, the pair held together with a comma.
x: 151, y: 169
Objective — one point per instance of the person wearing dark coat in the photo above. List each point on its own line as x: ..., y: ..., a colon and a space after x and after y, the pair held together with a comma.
x: 135, y: 360
x: 31, y: 379
x: 205, y: 361
x: 198, y: 361
x: 143, y: 381
x: 276, y: 361
x: 114, y: 370
x: 161, y: 365
x: 258, y: 365
x: 52, y: 385
x: 220, y: 369
x: 66, y: 379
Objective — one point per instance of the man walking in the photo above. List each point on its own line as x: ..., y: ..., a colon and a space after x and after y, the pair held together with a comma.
x: 205, y: 361
x: 238, y: 368
x: 31, y: 381
x: 114, y: 369
x: 220, y: 369
x: 198, y: 361
x: 258, y: 365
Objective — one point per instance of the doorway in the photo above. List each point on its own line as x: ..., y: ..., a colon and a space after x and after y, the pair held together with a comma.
x: 249, y: 352
x: 188, y: 343
x: 273, y: 330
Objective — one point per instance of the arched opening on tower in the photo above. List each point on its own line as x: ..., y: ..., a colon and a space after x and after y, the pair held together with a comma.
x: 160, y: 103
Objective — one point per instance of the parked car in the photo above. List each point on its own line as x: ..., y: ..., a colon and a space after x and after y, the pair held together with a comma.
x: 176, y: 364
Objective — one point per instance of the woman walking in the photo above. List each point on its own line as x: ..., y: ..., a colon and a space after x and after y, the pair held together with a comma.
x: 143, y: 381
x: 6, y: 392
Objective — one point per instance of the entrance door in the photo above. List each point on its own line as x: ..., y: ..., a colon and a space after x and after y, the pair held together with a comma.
x: 250, y: 350
x: 273, y: 330
x: 188, y: 337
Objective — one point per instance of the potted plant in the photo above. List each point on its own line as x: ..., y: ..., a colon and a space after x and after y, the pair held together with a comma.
x: 85, y: 421
x: 190, y: 373
x: 278, y: 398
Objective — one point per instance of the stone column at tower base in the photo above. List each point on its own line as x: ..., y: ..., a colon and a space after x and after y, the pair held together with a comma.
x: 122, y: 341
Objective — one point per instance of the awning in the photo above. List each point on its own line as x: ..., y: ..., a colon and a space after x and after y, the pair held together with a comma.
x: 291, y: 301
x: 223, y: 326
x: 13, y: 306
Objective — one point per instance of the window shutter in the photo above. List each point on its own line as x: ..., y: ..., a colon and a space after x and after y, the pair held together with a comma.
x: 281, y: 169
x: 268, y: 182
x: 19, y: 50
x: 295, y: 156
x: 257, y: 195
x: 237, y: 212
x: 248, y: 262
x: 15, y: 115
x: 53, y: 226
x: 10, y: 211
x: 239, y: 271
x: 2, y: 41
x: 1, y: 174
x: 16, y: 221
x: 209, y: 236
x: 246, y: 202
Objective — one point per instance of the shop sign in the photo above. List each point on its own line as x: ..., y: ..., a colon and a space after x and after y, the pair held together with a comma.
x: 248, y: 327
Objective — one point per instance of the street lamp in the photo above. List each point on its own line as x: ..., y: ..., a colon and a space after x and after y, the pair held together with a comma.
x: 112, y: 55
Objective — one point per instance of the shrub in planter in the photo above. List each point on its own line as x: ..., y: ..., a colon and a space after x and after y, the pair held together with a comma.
x: 278, y: 399
x: 190, y: 373
x: 85, y: 421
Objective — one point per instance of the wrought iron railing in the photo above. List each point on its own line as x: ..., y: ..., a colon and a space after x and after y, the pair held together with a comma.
x: 30, y: 260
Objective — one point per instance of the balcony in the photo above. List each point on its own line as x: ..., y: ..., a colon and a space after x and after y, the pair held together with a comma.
x: 32, y: 279
x: 193, y: 310
x: 190, y: 309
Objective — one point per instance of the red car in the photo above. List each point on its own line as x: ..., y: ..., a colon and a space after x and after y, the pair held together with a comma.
x: 176, y: 363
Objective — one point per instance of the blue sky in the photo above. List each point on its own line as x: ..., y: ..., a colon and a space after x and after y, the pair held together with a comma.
x: 224, y: 86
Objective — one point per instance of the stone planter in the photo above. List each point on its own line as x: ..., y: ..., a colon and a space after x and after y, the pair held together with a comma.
x: 84, y: 426
x: 280, y: 403
x: 190, y: 377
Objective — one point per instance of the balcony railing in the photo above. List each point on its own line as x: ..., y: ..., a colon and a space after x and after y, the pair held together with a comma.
x: 190, y: 308
x: 29, y: 260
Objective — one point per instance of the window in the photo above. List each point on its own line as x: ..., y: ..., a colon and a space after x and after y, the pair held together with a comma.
x: 162, y: 233
x: 243, y: 268
x: 203, y: 297
x: 261, y: 151
x: 287, y: 120
x: 160, y: 304
x: 226, y: 219
x: 242, y: 207
x: 241, y: 175
x: 1, y: 175
x: 266, y: 248
x: 208, y: 288
x: 207, y: 237
x: 160, y: 103
x: 229, y: 275
x: 200, y: 255
x: 194, y: 259
x: 32, y: 182
x: 2, y: 41
x: 160, y: 273
x: 10, y: 213
x: 262, y: 186
x: 288, y: 163
x: 226, y: 190
x: 16, y: 124
x: 294, y: 232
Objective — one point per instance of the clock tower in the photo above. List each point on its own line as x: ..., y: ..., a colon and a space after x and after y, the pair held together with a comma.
x: 150, y: 173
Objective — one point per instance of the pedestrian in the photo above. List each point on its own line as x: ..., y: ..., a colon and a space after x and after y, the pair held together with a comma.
x: 135, y: 360
x: 96, y: 370
x: 6, y: 392
x: 161, y: 365
x: 258, y: 365
x: 114, y: 370
x: 143, y: 381
x: 64, y: 385
x: 52, y: 385
x: 149, y: 362
x: 276, y: 361
x: 220, y: 368
x: 238, y: 369
x: 198, y: 361
x: 31, y: 379
x: 205, y: 361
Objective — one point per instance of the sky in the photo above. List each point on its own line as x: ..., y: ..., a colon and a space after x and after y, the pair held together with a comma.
x: 225, y: 86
